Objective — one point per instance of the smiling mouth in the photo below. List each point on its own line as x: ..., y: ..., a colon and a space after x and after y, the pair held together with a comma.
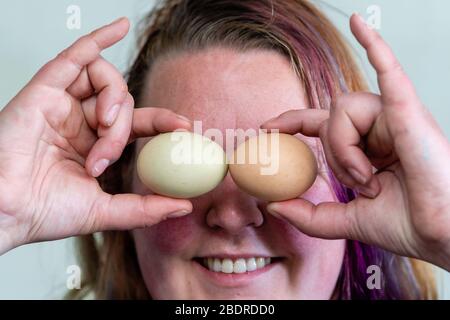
x: 236, y: 265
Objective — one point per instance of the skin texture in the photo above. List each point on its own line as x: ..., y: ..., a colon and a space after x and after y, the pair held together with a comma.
x: 56, y: 136
x: 226, y: 89
x: 406, y: 209
x: 64, y: 135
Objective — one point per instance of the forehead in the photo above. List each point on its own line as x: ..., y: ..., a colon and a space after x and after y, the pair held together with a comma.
x: 225, y: 88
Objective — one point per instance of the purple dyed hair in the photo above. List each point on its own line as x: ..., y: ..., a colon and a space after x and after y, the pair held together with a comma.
x: 398, y: 281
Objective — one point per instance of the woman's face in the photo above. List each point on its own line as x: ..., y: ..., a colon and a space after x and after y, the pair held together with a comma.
x: 226, y: 89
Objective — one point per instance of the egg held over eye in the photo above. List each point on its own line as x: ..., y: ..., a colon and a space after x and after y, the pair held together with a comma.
x: 181, y: 164
x: 273, y: 167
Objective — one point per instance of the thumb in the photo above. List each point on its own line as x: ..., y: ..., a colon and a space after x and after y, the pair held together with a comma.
x: 131, y: 211
x: 327, y: 220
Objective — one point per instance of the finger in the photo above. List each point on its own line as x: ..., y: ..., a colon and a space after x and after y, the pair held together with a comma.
x: 84, y: 139
x: 394, y: 85
x: 151, y: 121
x: 63, y: 70
x: 112, y: 140
x: 88, y: 106
x: 379, y: 143
x: 339, y: 172
x: 103, y: 78
x: 419, y: 142
x: 147, y: 121
x: 131, y: 211
x: 327, y: 220
x: 304, y: 121
x: 82, y: 87
x: 369, y: 188
x: 352, y: 116
x: 111, y: 87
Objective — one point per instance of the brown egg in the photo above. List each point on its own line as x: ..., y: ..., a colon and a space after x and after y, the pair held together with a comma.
x: 273, y: 167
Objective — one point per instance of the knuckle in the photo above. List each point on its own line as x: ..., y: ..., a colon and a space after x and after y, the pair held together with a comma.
x: 352, y: 229
x: 123, y: 87
x: 342, y: 176
x: 63, y: 54
x: 343, y: 157
x: 66, y: 55
x: 335, y: 141
x: 340, y: 102
x: 323, y: 130
x: 146, y: 212
x: 129, y: 99
x: 396, y: 65
x: 339, y: 175
x: 91, y: 40
x: 337, y: 148
x: 117, y: 147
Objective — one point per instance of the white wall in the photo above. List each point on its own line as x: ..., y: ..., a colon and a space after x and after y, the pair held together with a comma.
x: 32, y: 32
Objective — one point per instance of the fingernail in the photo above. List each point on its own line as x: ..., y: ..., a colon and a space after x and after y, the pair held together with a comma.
x: 360, y: 18
x: 111, y: 115
x: 357, y: 176
x: 99, y: 167
x: 273, y: 209
x: 368, y: 192
x: 269, y: 121
x: 179, y: 116
x: 117, y: 20
x: 178, y: 214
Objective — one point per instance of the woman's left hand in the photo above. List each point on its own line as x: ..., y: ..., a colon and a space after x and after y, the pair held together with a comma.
x: 405, y: 206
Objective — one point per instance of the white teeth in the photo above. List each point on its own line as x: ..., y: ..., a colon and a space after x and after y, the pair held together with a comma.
x: 217, y: 266
x: 227, y: 266
x: 251, y: 264
x: 240, y: 265
x: 260, y: 262
x: 210, y: 263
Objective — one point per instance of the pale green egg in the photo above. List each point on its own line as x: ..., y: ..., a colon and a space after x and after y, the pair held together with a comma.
x: 181, y: 164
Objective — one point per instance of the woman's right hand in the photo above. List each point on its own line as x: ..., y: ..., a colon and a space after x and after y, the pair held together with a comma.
x: 59, y: 133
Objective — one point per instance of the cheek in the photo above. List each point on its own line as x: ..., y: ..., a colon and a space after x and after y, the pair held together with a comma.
x: 314, y: 264
x: 295, y: 242
x: 172, y: 235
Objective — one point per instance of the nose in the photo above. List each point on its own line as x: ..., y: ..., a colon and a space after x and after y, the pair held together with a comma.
x: 232, y: 209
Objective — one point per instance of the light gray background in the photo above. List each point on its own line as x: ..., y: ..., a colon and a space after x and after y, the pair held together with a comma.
x: 32, y: 32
